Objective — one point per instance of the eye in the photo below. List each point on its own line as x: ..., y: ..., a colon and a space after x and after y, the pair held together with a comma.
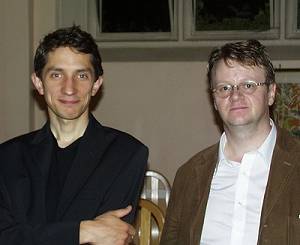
x: 224, y: 88
x: 249, y: 85
x: 55, y: 75
x: 83, y: 76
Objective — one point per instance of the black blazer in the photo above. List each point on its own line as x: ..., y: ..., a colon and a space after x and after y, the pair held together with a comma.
x: 107, y: 174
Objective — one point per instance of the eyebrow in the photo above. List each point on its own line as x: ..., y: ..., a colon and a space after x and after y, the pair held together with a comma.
x: 85, y: 70
x: 53, y: 68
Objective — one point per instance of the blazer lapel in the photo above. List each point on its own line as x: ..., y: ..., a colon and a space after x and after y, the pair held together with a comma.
x: 42, y: 149
x: 204, y: 173
x: 282, y: 168
x: 92, y: 146
x: 40, y: 152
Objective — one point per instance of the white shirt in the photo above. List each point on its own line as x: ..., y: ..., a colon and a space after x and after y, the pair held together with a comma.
x: 236, y: 196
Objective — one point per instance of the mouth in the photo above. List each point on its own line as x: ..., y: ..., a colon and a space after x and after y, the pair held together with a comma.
x: 238, y: 108
x: 69, y: 101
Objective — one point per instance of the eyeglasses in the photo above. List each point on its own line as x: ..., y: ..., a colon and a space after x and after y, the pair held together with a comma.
x: 247, y: 87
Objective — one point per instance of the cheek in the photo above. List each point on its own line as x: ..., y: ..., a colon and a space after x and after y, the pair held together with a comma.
x: 50, y: 91
x: 220, y: 104
x: 85, y: 92
x: 259, y: 103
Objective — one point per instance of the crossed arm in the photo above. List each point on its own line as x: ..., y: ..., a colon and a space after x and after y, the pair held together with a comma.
x: 107, y: 228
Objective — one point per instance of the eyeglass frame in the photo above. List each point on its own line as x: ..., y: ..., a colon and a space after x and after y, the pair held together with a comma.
x: 231, y: 87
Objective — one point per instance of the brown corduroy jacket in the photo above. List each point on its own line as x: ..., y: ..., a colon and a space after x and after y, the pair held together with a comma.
x: 280, y: 217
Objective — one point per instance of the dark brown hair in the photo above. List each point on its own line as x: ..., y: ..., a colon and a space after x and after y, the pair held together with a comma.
x: 246, y: 53
x: 72, y: 37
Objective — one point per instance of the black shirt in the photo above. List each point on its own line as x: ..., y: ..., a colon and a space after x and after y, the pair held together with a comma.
x: 61, y: 164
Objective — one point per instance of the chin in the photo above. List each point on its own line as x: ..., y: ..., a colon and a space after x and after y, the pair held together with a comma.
x: 69, y: 116
x: 239, y: 122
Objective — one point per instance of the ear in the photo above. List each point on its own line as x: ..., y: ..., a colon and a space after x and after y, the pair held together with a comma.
x: 96, y: 86
x: 271, y: 94
x: 215, y: 104
x: 37, y: 83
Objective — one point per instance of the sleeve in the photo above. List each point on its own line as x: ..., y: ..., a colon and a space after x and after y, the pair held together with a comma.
x: 13, y: 232
x: 126, y: 187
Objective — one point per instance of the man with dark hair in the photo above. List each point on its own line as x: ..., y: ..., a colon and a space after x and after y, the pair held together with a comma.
x: 74, y: 181
x: 244, y: 189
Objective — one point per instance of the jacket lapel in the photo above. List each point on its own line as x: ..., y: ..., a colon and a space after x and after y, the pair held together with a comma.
x: 91, y: 148
x: 282, y: 168
x: 204, y: 173
x: 40, y: 149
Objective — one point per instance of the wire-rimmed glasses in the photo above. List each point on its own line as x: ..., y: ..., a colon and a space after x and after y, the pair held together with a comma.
x: 247, y: 87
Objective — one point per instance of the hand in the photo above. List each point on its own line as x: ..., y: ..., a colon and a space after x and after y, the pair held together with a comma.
x: 107, y: 229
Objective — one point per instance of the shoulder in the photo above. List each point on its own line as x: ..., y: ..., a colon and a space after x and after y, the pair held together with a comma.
x: 116, y: 147
x: 124, y: 144
x: 12, y: 154
x: 113, y: 136
x: 34, y: 137
x: 18, y: 141
x: 122, y: 137
x: 207, y: 156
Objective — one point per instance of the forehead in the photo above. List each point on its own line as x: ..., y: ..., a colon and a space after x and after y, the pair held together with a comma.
x: 65, y: 57
x: 233, y: 71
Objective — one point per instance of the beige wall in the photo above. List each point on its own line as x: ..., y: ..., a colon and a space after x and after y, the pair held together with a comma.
x: 164, y: 103
x: 15, y: 56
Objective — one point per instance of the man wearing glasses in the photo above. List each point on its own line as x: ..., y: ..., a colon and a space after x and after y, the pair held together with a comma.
x: 245, y: 189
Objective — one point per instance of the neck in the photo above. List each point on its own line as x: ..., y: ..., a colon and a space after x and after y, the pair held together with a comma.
x: 67, y: 131
x: 243, y: 139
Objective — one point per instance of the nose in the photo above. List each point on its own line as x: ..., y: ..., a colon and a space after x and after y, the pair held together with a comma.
x: 235, y: 92
x: 69, y: 86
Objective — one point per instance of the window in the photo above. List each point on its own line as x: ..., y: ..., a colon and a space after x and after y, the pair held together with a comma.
x: 293, y: 19
x: 231, y: 19
x: 135, y: 20
x: 134, y: 16
x: 202, y: 22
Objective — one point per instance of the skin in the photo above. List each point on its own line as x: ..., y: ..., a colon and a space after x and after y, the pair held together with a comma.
x: 107, y: 229
x: 67, y: 84
x: 245, y: 117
